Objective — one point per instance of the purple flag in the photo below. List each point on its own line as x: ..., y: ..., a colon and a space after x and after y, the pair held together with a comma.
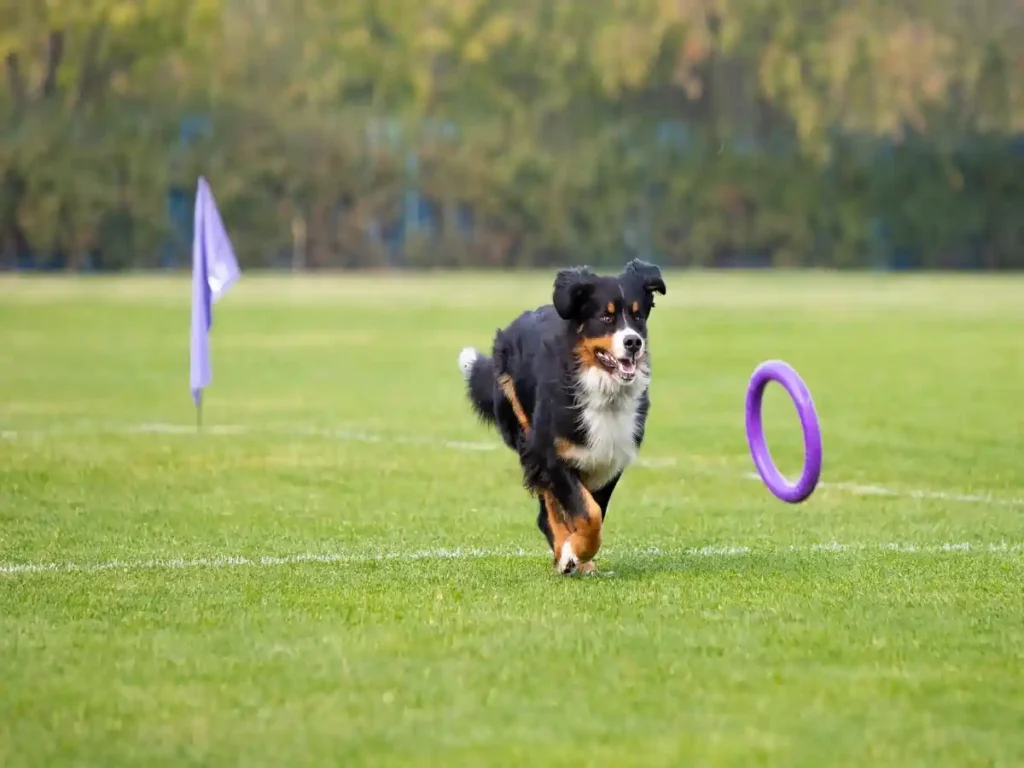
x: 214, y: 270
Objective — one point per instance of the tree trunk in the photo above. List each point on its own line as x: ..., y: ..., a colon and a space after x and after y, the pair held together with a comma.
x: 54, y: 57
x: 16, y: 82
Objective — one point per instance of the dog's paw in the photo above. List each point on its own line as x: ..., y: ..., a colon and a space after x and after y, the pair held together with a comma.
x: 589, y: 568
x: 566, y: 562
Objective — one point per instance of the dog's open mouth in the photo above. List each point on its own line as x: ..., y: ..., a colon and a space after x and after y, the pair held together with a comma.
x: 622, y: 367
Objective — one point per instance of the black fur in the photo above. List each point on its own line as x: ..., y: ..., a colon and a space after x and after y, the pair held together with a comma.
x: 481, y: 388
x: 538, y: 350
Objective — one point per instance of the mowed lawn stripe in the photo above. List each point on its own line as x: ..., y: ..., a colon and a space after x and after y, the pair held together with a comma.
x: 388, y: 601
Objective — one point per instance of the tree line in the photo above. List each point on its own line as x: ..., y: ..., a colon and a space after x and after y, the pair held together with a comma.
x: 513, y: 133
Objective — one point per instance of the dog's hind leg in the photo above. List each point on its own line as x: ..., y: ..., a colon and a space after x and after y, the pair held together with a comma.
x: 574, y: 541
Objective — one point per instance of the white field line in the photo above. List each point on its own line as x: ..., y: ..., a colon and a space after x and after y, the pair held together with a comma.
x: 267, y: 561
x: 345, y: 435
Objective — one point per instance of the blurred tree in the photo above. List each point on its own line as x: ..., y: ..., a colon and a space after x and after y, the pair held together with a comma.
x: 700, y: 131
x: 85, y: 118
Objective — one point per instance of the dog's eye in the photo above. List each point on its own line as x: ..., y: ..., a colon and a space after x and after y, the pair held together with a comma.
x: 608, y: 319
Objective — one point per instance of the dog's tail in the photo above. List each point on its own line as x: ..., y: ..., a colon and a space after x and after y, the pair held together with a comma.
x: 478, y: 372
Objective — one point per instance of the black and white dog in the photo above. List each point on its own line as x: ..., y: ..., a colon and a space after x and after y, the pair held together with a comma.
x: 566, y: 385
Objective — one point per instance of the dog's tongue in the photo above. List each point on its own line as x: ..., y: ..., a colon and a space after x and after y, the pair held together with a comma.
x: 626, y: 367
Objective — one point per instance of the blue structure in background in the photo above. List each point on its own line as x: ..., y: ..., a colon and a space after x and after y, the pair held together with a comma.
x: 181, y: 200
x: 421, y: 217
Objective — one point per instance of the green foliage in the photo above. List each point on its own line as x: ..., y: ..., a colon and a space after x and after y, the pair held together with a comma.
x: 693, y: 131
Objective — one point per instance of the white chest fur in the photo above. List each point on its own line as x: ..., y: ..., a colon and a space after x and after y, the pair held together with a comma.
x: 608, y: 414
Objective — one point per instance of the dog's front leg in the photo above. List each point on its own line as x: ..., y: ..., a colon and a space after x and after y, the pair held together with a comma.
x: 577, y: 546
x: 574, y: 517
x: 565, y: 561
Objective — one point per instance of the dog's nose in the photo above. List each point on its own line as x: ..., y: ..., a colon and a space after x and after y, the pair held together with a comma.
x: 633, y: 344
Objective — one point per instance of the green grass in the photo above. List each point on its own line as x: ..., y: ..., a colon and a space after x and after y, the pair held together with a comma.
x: 354, y: 440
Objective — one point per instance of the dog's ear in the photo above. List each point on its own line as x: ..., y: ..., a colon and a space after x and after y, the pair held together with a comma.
x: 648, y: 275
x: 573, y: 288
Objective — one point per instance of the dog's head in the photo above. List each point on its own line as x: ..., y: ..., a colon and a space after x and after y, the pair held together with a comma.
x: 609, y: 316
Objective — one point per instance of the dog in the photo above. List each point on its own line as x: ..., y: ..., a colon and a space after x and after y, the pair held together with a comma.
x: 566, y: 386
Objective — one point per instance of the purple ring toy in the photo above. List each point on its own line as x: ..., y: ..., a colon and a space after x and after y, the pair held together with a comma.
x: 776, y: 370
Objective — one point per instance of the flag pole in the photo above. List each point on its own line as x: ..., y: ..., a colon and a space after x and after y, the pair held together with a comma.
x: 214, y: 270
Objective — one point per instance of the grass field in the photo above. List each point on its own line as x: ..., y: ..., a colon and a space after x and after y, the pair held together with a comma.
x: 344, y: 569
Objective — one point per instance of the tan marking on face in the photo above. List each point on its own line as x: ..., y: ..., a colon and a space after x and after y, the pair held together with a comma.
x: 611, y: 308
x: 587, y: 349
x: 636, y: 307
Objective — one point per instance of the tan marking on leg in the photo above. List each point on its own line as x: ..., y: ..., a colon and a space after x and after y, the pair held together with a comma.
x: 586, y: 539
x: 508, y: 387
x: 584, y: 536
x: 559, y: 530
x: 555, y: 511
